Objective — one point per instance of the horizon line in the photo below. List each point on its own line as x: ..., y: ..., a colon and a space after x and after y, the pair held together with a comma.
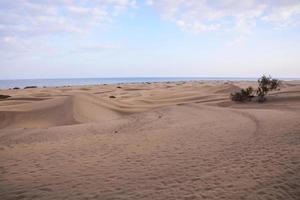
x: 141, y: 77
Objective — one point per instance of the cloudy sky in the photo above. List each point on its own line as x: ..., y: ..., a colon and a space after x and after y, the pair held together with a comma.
x: 138, y: 38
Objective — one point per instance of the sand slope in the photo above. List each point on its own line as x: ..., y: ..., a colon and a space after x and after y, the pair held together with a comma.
x: 182, y: 140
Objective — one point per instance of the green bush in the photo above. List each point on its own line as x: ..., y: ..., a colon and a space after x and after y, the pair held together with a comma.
x: 30, y: 87
x: 243, y: 95
x: 4, y: 96
x: 265, y: 84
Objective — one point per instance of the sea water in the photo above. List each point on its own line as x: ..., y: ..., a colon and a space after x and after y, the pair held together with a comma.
x: 21, y: 83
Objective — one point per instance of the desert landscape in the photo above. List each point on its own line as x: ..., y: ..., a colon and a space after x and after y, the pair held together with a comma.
x: 171, y: 140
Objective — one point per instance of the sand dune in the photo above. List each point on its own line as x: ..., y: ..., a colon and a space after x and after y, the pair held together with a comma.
x: 40, y: 114
x: 180, y: 140
x: 228, y: 88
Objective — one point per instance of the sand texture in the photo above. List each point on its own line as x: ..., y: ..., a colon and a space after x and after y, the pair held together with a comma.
x: 177, y: 140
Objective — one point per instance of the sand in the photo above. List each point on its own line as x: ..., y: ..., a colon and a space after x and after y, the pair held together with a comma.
x: 178, y: 140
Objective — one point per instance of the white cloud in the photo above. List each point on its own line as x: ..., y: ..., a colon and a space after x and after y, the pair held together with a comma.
x: 28, y: 25
x: 8, y: 40
x: 94, y: 48
x: 34, y: 18
x: 284, y: 15
x: 149, y: 2
x: 236, y: 41
x: 25, y: 20
x: 241, y: 16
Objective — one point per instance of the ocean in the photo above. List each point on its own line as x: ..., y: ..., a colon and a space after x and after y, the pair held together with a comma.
x: 21, y: 83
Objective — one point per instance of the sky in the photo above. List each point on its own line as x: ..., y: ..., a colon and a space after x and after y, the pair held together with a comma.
x: 149, y: 38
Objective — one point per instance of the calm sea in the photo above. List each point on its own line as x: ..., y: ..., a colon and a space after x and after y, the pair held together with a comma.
x: 5, y: 84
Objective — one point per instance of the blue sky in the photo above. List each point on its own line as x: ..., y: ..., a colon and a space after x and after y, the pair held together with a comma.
x: 128, y: 38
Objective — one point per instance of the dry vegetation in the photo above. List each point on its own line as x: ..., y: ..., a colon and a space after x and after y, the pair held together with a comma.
x: 265, y: 85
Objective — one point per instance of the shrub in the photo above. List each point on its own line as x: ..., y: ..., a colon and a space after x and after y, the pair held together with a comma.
x: 29, y: 87
x: 112, y: 97
x: 4, y: 96
x: 16, y: 88
x: 266, y: 84
x: 243, y: 95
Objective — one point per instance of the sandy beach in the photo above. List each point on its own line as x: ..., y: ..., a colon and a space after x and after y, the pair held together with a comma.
x: 174, y: 140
